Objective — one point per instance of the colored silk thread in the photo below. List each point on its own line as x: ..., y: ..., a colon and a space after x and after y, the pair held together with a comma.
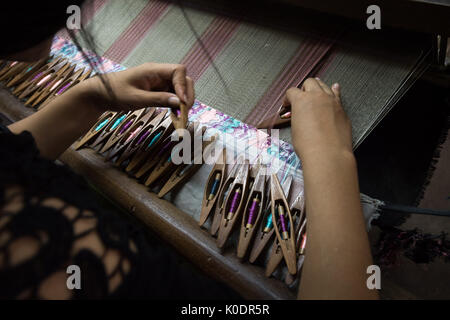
x: 125, y: 127
x: 133, y: 134
x: 142, y: 138
x: 303, y: 244
x: 118, y: 121
x: 252, y: 212
x: 282, y: 222
x: 64, y: 88
x: 155, y: 138
x: 56, y: 84
x: 44, y: 79
x: 102, y: 124
x: 269, y: 224
x: 215, y: 187
x: 163, y: 149
x: 234, y: 203
x: 36, y: 76
x: 287, y: 115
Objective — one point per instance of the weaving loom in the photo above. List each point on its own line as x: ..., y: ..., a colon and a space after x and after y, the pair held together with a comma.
x: 241, y: 69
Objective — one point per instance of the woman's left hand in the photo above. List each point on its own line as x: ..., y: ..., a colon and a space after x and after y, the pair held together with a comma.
x: 148, y: 85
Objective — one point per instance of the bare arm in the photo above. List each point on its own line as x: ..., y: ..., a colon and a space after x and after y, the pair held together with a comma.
x: 61, y: 122
x: 338, y: 251
x: 67, y: 117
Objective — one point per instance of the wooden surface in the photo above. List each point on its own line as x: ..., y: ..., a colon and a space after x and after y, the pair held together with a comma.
x: 170, y: 223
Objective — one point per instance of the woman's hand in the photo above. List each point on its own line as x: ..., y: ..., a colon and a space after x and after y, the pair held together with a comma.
x: 338, y: 251
x: 318, y: 121
x: 148, y: 85
x: 70, y: 115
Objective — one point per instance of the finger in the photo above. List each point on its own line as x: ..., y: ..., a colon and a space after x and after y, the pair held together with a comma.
x: 179, y: 82
x: 292, y: 94
x: 311, y: 84
x: 190, y: 92
x: 173, y: 74
x: 336, y: 90
x: 286, y: 101
x: 156, y: 99
x: 324, y: 86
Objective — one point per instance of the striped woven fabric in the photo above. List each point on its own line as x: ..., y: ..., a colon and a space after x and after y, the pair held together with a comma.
x: 243, y: 69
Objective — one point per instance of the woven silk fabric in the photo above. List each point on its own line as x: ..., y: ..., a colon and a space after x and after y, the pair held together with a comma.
x: 239, y: 68
x: 243, y: 69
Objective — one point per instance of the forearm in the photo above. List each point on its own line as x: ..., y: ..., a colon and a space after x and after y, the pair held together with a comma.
x: 338, y: 251
x: 61, y: 122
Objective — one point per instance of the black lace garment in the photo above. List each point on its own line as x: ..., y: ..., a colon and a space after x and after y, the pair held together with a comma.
x: 50, y: 219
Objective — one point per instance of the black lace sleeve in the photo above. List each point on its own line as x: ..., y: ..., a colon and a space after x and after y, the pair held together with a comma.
x: 50, y: 219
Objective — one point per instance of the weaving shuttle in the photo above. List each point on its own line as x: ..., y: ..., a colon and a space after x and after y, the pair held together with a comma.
x: 218, y: 212
x: 283, y: 224
x: 265, y: 234
x: 234, y: 203
x: 276, y: 255
x: 252, y: 212
x: 213, y: 186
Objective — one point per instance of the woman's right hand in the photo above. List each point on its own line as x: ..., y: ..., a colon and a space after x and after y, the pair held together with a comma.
x: 338, y: 252
x: 319, y: 123
x: 147, y: 85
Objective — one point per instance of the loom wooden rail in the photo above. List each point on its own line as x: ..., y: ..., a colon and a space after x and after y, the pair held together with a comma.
x: 167, y: 221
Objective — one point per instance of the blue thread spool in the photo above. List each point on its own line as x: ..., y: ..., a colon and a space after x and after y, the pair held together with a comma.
x: 118, y: 121
x: 101, y: 125
x: 215, y: 187
x: 269, y: 224
x: 155, y: 138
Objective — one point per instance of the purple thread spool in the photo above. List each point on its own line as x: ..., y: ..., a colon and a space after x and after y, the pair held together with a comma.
x: 63, y: 88
x: 234, y: 203
x: 283, y: 222
x: 251, y: 214
x: 164, y: 149
x: 125, y: 127
x: 36, y: 76
x: 142, y: 138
